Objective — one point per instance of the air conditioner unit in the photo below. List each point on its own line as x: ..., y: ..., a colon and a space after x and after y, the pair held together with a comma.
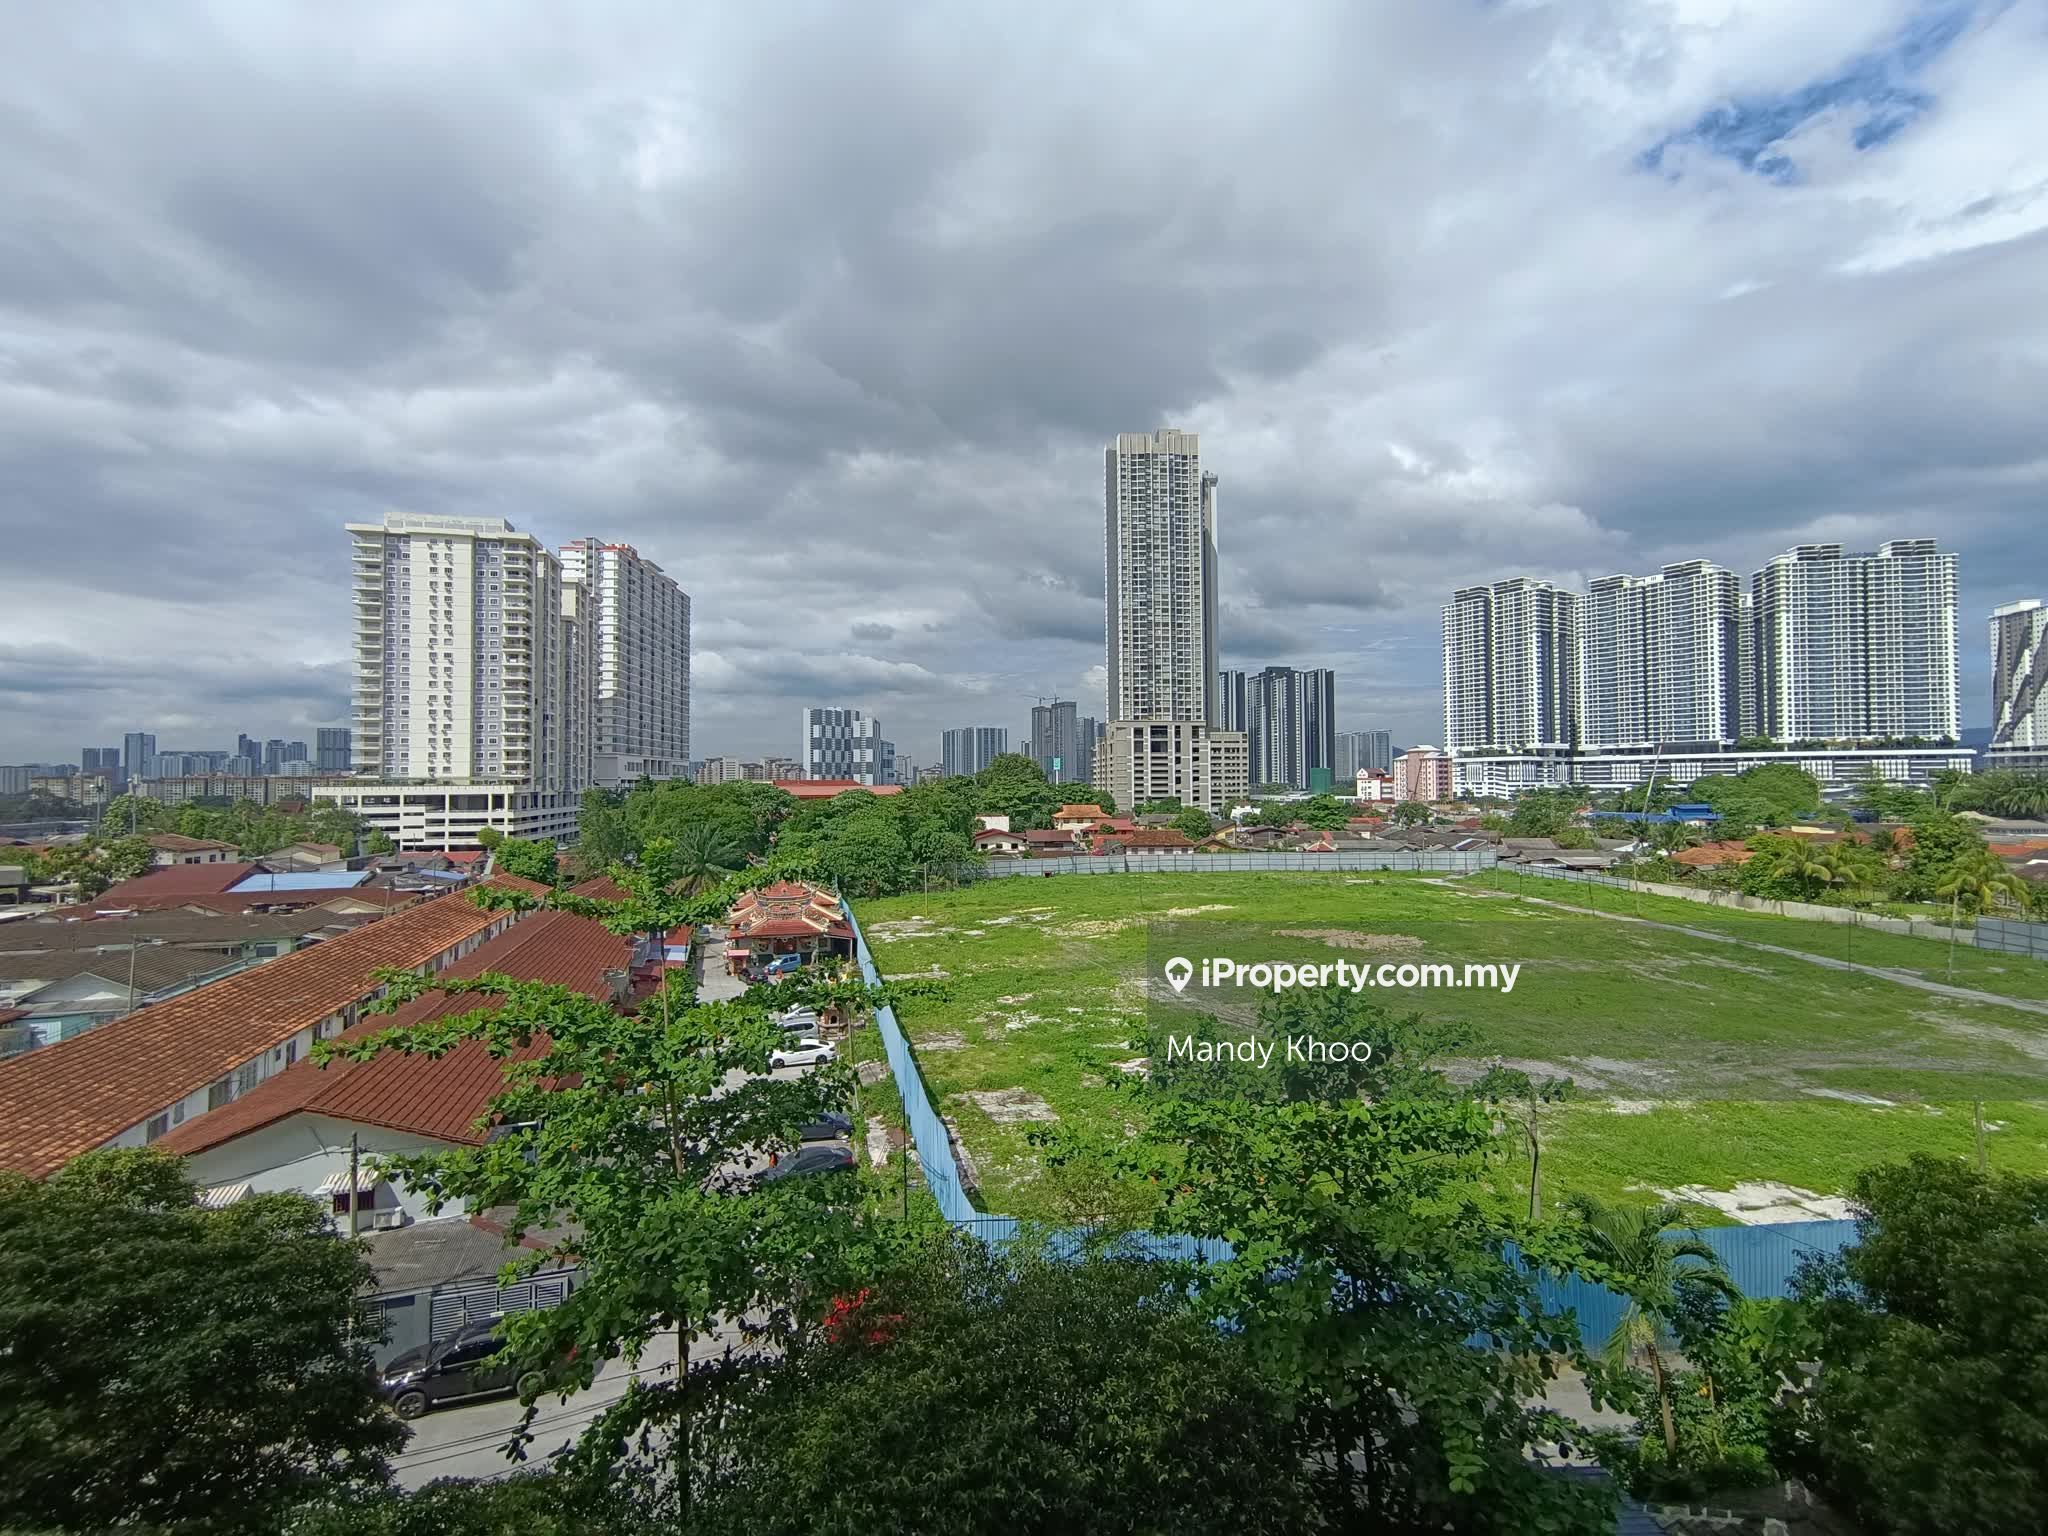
x: 385, y: 1221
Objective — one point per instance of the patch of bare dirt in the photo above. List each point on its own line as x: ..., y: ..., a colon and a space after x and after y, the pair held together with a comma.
x: 1011, y: 1106
x: 1344, y: 938
x: 945, y: 1040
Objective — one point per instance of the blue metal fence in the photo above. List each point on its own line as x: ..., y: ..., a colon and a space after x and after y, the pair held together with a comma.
x: 1761, y: 1260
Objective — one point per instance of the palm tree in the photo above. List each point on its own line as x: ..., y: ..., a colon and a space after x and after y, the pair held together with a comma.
x: 2019, y: 795
x: 1983, y: 878
x: 1650, y: 1269
x: 704, y: 855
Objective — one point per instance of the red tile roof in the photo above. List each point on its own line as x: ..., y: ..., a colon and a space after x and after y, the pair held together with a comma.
x: 787, y: 909
x: 825, y: 789
x: 440, y: 1097
x: 1157, y: 837
x: 80, y: 1093
x: 1078, y: 812
x: 1709, y: 855
x: 167, y: 886
x: 172, y: 842
x: 601, y: 888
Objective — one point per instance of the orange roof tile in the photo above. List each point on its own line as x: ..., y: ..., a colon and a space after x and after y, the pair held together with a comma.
x: 80, y: 1093
x: 440, y: 1097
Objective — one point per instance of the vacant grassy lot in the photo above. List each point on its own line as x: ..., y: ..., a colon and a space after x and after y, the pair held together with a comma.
x: 1703, y: 1064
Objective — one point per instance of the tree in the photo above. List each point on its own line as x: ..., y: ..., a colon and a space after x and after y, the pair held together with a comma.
x: 1146, y: 1418
x: 1771, y: 794
x: 704, y: 855
x: 603, y: 835
x: 1888, y: 801
x: 1014, y: 786
x: 1645, y: 1264
x: 532, y: 1504
x: 1981, y: 880
x: 1193, y: 824
x: 1411, y: 813
x: 1366, y: 1263
x: 529, y: 860
x: 1940, y: 842
x: 1510, y: 1087
x: 1544, y: 812
x: 629, y: 1138
x: 377, y: 843
x: 1326, y: 813
x: 488, y: 838
x: 869, y: 855
x: 1168, y: 805
x: 168, y: 1366
x: 1927, y: 1414
x: 1071, y: 793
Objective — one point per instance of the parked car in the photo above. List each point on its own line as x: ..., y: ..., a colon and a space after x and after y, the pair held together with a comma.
x: 454, y: 1369
x: 807, y: 1052
x: 812, y: 1157
x: 830, y: 1126
x: 800, y: 1021
x: 783, y: 965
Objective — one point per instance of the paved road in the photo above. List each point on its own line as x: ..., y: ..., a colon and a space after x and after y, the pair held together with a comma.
x: 468, y: 1440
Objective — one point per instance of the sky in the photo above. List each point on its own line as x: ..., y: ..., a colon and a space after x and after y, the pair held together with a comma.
x: 831, y: 309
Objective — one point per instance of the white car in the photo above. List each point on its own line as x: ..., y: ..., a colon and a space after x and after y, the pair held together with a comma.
x: 802, y: 1053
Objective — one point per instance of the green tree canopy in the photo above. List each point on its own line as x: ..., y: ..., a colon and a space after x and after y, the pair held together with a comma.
x: 166, y: 1366
x: 977, y: 1389
x: 528, y: 859
x: 1927, y: 1415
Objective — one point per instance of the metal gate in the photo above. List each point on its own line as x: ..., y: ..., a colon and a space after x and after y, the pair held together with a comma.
x: 455, y: 1308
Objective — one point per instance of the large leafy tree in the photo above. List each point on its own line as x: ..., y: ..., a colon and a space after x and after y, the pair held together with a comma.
x: 1928, y: 1414
x: 166, y: 1366
x: 1014, y: 786
x: 528, y: 859
x: 635, y: 1128
x: 1371, y: 1276
x: 973, y: 1388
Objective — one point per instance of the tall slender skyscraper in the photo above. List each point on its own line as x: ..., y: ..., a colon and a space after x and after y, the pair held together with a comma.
x: 639, y: 663
x: 2019, y: 685
x: 1160, y: 575
x: 1063, y: 741
x: 1163, y: 739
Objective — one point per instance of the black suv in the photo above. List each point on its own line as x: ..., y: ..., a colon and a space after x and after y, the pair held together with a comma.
x: 452, y: 1370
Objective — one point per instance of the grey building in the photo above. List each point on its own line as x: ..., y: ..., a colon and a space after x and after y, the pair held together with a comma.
x: 14, y: 779
x: 1363, y: 752
x: 1159, y: 512
x: 333, y: 749
x: 845, y: 744
x: 971, y: 748
x: 2019, y: 686
x: 137, y: 748
x: 1511, y: 667
x: 1063, y: 742
x: 1292, y: 726
x: 1233, y: 708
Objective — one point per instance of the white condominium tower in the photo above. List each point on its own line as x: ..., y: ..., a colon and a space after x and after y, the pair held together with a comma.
x: 466, y: 687
x: 1857, y: 647
x: 2019, y: 685
x: 639, y: 663
x: 845, y: 744
x: 1165, y: 736
x: 1160, y: 577
x: 1511, y: 667
x: 1661, y: 658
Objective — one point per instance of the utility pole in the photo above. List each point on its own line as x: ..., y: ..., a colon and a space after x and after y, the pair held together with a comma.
x: 1981, y: 1165
x: 355, y: 1158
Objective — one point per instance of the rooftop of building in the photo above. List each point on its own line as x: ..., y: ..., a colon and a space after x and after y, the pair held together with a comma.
x: 80, y: 1093
x: 439, y: 1097
x: 826, y: 789
x: 172, y: 842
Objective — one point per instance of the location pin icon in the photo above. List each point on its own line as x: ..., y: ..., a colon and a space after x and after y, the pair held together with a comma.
x: 1178, y: 973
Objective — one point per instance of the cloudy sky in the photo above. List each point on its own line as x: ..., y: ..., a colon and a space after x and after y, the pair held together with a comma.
x: 830, y: 308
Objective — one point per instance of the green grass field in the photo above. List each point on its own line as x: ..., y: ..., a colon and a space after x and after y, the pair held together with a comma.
x: 1703, y: 1065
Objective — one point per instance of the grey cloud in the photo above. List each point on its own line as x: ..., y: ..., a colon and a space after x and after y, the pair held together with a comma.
x: 830, y: 310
